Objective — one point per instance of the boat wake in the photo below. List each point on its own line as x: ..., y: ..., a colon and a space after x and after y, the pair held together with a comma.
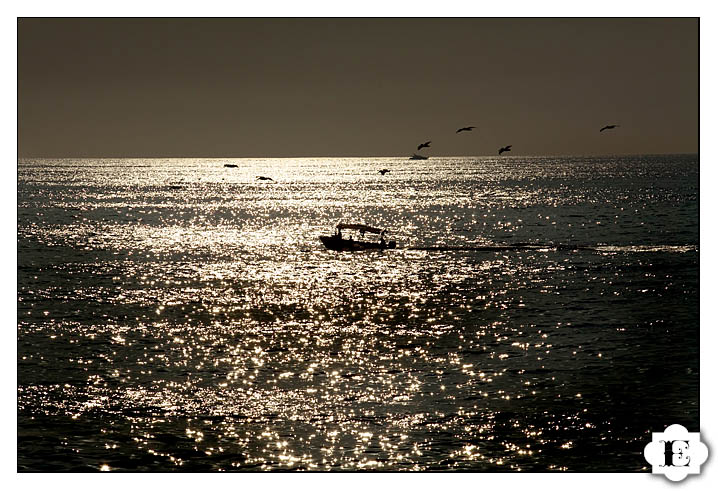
x: 560, y: 247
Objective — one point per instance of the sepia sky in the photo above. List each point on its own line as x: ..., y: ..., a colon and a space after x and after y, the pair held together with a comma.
x: 355, y: 87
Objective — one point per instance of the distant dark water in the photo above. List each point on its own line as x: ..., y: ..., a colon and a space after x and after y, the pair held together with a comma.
x: 540, y: 313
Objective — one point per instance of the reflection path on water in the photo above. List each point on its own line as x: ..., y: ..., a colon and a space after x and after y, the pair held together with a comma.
x: 211, y: 331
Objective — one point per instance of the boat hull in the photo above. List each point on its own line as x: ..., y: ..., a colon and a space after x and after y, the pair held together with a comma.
x: 334, y: 243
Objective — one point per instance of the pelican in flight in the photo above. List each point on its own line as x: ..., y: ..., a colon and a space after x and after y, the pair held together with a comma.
x: 262, y: 178
x: 467, y: 128
x: 425, y: 144
x: 384, y: 171
x: 507, y: 148
x: 608, y: 127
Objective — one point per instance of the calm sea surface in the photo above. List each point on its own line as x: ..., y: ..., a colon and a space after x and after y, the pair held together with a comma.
x: 178, y: 315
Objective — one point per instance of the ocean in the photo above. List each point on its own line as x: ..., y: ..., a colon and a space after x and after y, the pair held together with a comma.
x: 538, y: 313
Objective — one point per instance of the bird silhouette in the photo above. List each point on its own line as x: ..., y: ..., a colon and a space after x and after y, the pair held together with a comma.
x: 507, y: 148
x: 467, y: 128
x: 425, y: 144
x: 384, y: 171
x: 608, y: 127
x: 262, y: 178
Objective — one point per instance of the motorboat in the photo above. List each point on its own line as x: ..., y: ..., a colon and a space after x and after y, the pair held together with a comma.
x: 338, y: 242
x: 416, y: 156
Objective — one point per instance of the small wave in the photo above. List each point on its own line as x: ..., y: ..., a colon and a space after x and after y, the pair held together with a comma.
x: 647, y: 248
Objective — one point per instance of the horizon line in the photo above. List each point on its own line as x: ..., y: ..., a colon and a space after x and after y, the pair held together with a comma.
x: 355, y: 156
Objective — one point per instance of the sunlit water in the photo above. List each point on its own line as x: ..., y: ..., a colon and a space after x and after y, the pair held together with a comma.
x: 180, y: 315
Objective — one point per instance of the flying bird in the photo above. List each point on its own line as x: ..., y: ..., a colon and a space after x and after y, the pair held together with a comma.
x: 608, y: 127
x: 384, y: 171
x: 507, y: 148
x: 425, y: 144
x: 468, y: 128
x: 262, y: 178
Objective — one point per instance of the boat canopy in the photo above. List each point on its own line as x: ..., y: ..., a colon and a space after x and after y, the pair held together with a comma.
x: 360, y: 227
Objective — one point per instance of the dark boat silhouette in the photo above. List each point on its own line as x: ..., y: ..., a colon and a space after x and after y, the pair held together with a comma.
x: 416, y: 156
x: 336, y: 242
x: 231, y: 166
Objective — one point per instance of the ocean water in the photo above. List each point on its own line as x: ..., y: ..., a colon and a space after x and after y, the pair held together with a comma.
x: 538, y: 314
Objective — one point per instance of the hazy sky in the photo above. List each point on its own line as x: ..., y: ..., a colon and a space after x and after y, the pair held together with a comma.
x: 355, y: 87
